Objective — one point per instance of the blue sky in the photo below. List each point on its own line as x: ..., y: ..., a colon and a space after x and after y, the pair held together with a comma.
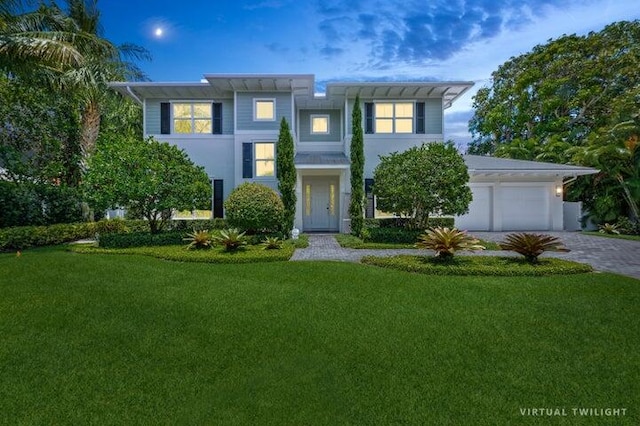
x: 351, y: 39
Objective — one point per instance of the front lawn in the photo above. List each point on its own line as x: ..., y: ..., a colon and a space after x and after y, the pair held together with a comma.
x: 106, y: 339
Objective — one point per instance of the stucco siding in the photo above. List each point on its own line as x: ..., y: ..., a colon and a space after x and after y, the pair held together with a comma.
x: 244, y: 108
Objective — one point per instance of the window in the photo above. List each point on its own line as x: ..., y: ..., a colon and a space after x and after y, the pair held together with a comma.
x: 264, y: 109
x: 193, y: 117
x: 394, y: 117
x: 319, y: 124
x: 265, y: 159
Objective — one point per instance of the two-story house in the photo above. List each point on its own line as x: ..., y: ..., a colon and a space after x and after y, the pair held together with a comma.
x: 229, y: 124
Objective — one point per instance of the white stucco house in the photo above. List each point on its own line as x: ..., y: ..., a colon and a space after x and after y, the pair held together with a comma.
x: 229, y: 124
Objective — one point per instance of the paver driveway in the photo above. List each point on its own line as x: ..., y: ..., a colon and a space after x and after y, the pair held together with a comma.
x: 604, y: 254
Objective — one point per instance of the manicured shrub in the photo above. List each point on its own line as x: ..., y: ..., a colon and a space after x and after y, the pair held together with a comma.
x: 447, y: 241
x: 255, y: 208
x: 199, y: 240
x: 197, y: 224
x: 626, y: 226
x: 404, y: 222
x: 22, y: 237
x: 392, y: 235
x: 139, y: 239
x: 230, y: 239
x: 478, y: 265
x: 531, y: 245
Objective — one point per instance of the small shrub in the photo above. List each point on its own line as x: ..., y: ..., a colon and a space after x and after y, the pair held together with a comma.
x: 392, y: 235
x: 271, y: 243
x: 532, y: 245
x: 231, y: 239
x: 405, y: 222
x: 626, y: 226
x: 140, y: 239
x: 197, y: 224
x: 609, y: 228
x: 445, y: 242
x: 255, y: 208
x: 198, y: 240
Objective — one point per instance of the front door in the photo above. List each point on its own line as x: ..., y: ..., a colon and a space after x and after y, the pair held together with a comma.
x: 320, y: 204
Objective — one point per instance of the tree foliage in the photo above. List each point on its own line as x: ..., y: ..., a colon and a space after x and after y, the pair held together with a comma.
x: 572, y: 100
x: 148, y: 177
x: 286, y: 175
x: 254, y: 208
x: 356, y: 205
x: 416, y: 183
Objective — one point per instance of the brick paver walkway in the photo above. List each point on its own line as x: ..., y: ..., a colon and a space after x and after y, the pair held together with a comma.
x: 604, y: 254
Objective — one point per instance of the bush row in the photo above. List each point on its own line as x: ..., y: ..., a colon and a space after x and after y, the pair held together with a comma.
x: 139, y: 239
x: 478, y: 265
x: 22, y: 237
x: 403, y: 222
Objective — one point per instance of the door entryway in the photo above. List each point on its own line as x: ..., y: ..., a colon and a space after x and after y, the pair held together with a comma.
x: 320, y: 209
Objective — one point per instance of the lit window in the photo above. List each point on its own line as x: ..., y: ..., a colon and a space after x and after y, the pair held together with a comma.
x: 265, y: 159
x: 192, y: 117
x: 307, y: 200
x: 264, y: 109
x: 319, y: 124
x: 394, y: 117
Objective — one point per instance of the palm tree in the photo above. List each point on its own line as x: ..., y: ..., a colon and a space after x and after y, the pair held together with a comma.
x: 99, y: 67
x: 39, y: 39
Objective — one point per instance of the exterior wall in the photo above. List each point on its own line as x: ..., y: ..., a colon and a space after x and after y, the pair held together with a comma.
x: 244, y: 110
x: 152, y: 114
x: 214, y: 154
x: 434, y: 117
x: 236, y: 158
x: 304, y: 127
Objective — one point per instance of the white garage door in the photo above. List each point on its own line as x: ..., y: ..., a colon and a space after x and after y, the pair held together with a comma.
x: 525, y: 208
x: 479, y: 216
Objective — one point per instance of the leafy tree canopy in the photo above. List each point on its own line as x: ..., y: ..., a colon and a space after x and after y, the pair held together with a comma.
x: 575, y: 100
x: 415, y: 184
x: 148, y: 177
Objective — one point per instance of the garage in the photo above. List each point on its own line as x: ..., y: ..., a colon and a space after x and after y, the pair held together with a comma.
x: 480, y: 212
x: 525, y: 208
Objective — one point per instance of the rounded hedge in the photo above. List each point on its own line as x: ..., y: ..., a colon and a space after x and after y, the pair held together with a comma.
x: 255, y: 208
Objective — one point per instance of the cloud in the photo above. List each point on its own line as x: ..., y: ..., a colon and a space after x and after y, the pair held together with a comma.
x: 276, y: 47
x: 456, y: 125
x: 421, y: 31
x: 267, y: 4
x: 330, y: 51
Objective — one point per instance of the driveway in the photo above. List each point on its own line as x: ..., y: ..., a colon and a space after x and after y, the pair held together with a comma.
x: 604, y: 254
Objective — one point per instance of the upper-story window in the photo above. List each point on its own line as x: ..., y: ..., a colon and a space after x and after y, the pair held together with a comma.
x: 393, y: 117
x: 192, y: 117
x: 319, y: 124
x: 264, y: 109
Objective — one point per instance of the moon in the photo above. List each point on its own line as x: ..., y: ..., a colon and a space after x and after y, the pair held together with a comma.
x: 158, y: 32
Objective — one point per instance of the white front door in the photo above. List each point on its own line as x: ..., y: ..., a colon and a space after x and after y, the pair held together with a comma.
x: 320, y: 204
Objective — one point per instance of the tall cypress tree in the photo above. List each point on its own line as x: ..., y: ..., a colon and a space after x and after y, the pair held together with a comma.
x: 357, y: 170
x: 286, y: 172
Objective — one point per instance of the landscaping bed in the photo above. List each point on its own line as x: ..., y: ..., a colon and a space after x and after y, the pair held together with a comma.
x: 247, y: 254
x: 478, y: 265
x: 350, y: 241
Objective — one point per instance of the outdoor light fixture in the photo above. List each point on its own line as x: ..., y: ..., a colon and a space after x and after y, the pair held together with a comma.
x: 558, y: 190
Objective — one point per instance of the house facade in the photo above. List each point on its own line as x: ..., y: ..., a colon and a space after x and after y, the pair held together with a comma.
x: 229, y: 124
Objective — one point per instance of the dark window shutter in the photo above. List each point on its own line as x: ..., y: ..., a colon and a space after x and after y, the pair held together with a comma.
x: 216, y: 116
x: 165, y: 118
x: 369, y: 211
x: 247, y: 160
x: 420, y: 117
x: 368, y: 120
x: 218, y: 197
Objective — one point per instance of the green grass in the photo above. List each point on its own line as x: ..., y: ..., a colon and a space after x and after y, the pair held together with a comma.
x: 105, y: 339
x: 247, y: 254
x: 618, y: 236
x: 350, y: 241
x: 478, y: 265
